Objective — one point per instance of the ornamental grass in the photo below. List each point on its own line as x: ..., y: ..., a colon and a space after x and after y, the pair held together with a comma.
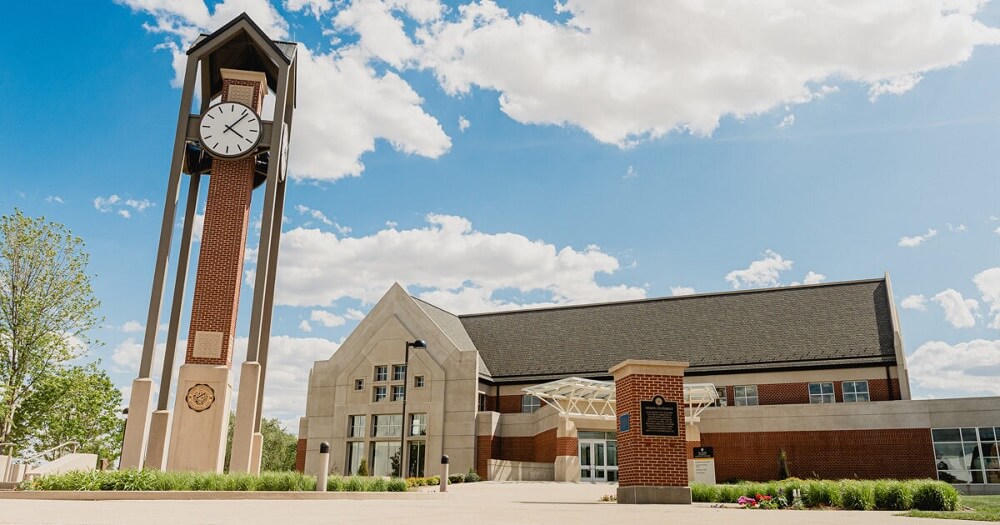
x: 852, y: 494
x: 154, y: 480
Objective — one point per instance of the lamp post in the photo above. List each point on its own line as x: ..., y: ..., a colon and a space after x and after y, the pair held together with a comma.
x: 125, y: 426
x: 422, y: 345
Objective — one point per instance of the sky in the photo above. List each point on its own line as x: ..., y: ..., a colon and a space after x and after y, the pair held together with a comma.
x: 503, y: 155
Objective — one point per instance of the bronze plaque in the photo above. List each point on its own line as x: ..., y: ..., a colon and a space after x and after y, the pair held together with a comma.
x: 659, y: 417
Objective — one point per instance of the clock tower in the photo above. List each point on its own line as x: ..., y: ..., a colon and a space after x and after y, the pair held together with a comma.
x: 233, y: 141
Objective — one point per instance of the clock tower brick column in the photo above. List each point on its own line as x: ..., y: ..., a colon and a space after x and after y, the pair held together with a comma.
x: 198, y: 438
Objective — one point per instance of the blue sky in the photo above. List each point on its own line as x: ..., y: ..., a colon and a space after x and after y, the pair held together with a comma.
x: 497, y: 156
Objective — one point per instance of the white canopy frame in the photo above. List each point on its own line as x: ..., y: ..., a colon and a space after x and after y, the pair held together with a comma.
x: 587, y: 398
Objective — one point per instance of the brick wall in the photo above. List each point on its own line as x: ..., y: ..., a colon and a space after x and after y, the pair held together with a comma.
x: 223, y: 242
x: 867, y: 454
x: 541, y: 448
x: 510, y: 404
x: 300, y: 455
x: 798, y: 393
x: 650, y: 460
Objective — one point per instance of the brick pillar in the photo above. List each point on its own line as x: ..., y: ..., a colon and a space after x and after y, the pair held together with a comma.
x: 204, y: 382
x: 652, y: 449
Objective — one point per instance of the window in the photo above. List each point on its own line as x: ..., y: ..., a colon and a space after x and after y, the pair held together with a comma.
x: 964, y: 455
x: 359, y: 384
x: 418, y: 381
x: 721, y: 400
x: 481, y: 403
x: 821, y: 393
x: 398, y: 392
x: 356, y: 426
x: 418, y: 424
x: 355, y: 453
x: 378, y: 393
x: 415, y: 458
x: 381, y: 373
x: 398, y: 371
x: 386, y: 425
x: 530, y: 404
x: 855, y: 391
x: 385, y: 458
x: 745, y: 396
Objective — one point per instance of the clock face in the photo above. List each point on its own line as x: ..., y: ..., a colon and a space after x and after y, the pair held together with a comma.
x: 230, y: 130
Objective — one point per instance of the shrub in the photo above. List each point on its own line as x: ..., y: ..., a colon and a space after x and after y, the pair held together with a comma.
x: 783, y: 472
x: 456, y: 478
x: 730, y: 493
x: 396, y: 485
x: 363, y: 468
x: 354, y: 484
x: 892, y: 494
x: 335, y: 484
x: 702, y: 493
x: 472, y: 477
x: 821, y: 493
x: 934, y: 495
x: 857, y: 495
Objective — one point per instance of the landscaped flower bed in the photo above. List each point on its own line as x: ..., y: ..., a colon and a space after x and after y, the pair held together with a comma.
x: 851, y: 494
x: 153, y: 480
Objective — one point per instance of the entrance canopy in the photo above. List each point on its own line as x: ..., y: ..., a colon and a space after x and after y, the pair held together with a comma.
x: 579, y: 397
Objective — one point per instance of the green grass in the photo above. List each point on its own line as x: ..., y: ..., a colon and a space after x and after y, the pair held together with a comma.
x: 143, y: 480
x: 978, y: 508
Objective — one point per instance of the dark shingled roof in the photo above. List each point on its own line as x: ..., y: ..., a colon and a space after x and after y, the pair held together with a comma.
x: 835, y: 324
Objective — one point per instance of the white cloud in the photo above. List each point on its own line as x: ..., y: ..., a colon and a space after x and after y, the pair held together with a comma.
x: 316, y: 7
x: 105, y: 204
x: 315, y: 214
x: 132, y: 326
x: 957, y: 229
x: 914, y: 302
x: 463, y: 123
x: 813, y: 278
x: 640, y: 69
x: 913, y: 242
x: 124, y: 213
x: 305, y: 326
x: 631, y: 173
x: 354, y: 315
x: 969, y: 368
x: 448, y: 263
x: 997, y: 231
x: 988, y: 283
x: 957, y: 310
x: 139, y: 204
x: 54, y: 199
x: 764, y: 272
x: 681, y: 290
x: 787, y: 121
x: 326, y: 319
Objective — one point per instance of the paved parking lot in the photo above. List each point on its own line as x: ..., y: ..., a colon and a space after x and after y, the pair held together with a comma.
x: 472, y: 504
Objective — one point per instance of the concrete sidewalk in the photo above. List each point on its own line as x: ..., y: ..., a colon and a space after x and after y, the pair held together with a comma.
x: 472, y: 504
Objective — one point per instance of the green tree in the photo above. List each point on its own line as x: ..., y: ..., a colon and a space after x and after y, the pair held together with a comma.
x: 277, y: 450
x: 76, y: 403
x: 47, y: 306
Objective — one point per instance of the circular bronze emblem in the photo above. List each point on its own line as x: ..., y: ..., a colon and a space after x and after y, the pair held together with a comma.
x: 200, y: 397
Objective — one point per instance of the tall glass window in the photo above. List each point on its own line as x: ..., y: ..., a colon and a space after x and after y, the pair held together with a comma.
x: 356, y: 426
x: 398, y: 371
x: 530, y: 404
x: 387, y: 425
x: 856, y: 391
x: 821, y: 393
x: 418, y: 424
x: 385, y: 458
x: 745, y: 395
x: 967, y: 455
x: 355, y: 453
x: 415, y: 459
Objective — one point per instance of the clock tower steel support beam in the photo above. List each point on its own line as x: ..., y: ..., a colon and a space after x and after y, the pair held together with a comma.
x: 245, y: 457
x: 134, y: 443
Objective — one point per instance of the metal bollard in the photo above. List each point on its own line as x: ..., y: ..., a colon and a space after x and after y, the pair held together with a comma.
x: 324, y: 463
x: 444, y: 473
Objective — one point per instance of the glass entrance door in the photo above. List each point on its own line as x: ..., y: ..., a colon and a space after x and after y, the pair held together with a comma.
x: 598, y: 460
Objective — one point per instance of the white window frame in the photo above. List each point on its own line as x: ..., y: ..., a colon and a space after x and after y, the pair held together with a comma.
x: 381, y: 373
x: 419, y: 381
x: 389, y: 430
x: 359, y: 385
x: 356, y: 426
x: 398, y: 391
x: 823, y: 396
x: 746, y: 399
x: 852, y: 394
x: 418, y: 429
x: 721, y: 397
x: 398, y: 372
x: 530, y: 403
x: 379, y: 393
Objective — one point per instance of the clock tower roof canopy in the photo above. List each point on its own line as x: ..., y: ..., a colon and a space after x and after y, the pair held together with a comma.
x: 242, y: 44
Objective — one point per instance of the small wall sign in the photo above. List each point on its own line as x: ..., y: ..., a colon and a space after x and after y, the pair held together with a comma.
x: 659, y: 417
x: 704, y: 453
x: 623, y: 424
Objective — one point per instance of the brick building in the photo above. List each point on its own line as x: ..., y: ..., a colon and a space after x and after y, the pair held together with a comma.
x: 815, y: 373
